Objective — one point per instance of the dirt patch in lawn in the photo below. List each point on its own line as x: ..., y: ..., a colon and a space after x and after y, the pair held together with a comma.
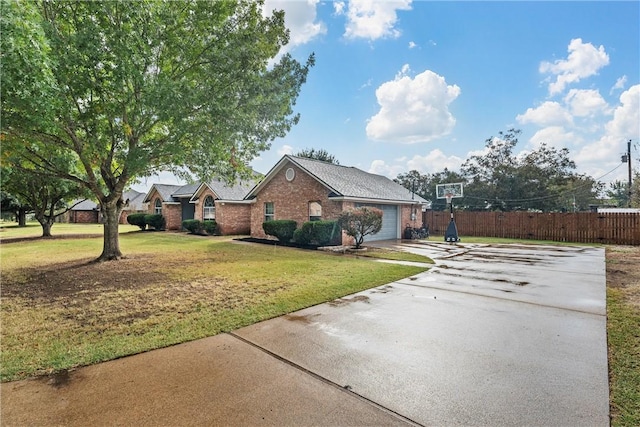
x: 83, y: 277
x: 623, y: 271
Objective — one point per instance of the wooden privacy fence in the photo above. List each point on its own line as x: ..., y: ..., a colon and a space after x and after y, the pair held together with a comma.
x: 579, y: 227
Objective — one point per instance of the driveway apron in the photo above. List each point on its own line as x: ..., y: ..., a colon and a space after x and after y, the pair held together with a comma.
x: 494, y: 335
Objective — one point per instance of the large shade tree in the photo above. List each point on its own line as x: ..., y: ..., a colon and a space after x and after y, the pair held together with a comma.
x: 131, y: 88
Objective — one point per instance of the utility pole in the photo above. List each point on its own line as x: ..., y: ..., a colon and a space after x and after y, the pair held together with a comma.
x: 626, y: 158
x: 629, y: 165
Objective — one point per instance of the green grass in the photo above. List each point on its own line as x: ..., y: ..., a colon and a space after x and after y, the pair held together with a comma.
x: 10, y: 230
x: 59, y: 311
x: 623, y: 328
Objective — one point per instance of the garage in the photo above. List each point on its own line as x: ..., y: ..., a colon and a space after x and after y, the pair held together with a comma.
x: 389, y: 228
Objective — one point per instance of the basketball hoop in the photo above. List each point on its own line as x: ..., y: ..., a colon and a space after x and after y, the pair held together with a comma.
x: 449, y: 197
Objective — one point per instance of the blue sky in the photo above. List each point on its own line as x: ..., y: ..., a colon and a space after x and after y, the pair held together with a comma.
x: 421, y: 85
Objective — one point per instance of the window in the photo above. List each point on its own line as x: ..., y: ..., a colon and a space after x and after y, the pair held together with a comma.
x: 269, y: 212
x: 209, y: 208
x: 315, y: 211
x: 158, y: 208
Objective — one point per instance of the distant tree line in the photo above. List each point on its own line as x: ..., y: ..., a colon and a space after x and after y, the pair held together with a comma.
x: 543, y: 179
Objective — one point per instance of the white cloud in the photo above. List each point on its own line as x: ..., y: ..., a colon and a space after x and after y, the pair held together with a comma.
x: 603, y: 155
x: 371, y: 19
x: 620, y: 84
x: 434, y: 161
x: 554, y: 136
x: 626, y: 117
x: 584, y: 60
x: 299, y: 18
x: 585, y: 102
x: 338, y: 7
x: 413, y: 110
x: 412, y: 45
x: 381, y: 168
x: 550, y: 113
x: 285, y: 149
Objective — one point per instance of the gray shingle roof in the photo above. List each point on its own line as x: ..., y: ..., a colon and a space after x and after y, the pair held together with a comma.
x: 235, y: 192
x: 136, y: 200
x: 186, y: 190
x: 84, y: 205
x: 355, y: 183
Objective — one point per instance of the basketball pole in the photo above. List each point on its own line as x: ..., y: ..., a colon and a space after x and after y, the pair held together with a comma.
x: 451, y: 235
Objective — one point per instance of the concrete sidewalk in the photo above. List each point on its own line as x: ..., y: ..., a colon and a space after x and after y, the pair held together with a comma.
x: 494, y: 335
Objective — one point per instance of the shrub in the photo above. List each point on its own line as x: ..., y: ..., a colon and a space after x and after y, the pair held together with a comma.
x: 156, y: 221
x: 303, y: 234
x: 282, y: 229
x: 360, y: 222
x: 210, y: 226
x: 321, y: 233
x: 137, y: 219
x: 326, y: 233
x: 193, y: 226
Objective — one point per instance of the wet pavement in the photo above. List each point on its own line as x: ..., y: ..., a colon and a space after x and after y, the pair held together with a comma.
x: 493, y: 335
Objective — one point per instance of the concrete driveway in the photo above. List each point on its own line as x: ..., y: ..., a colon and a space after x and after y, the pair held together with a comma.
x: 494, y: 335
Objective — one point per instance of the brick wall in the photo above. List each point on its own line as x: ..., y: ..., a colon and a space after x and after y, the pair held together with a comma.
x: 83, y: 217
x: 291, y: 199
x: 172, y: 213
x: 233, y: 218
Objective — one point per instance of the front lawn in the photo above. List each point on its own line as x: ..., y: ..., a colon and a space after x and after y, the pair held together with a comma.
x: 60, y: 310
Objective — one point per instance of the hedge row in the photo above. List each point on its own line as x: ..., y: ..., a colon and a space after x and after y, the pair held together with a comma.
x: 142, y: 220
x: 194, y: 226
x: 321, y: 233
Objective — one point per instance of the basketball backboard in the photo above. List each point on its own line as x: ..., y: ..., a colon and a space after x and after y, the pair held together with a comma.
x: 452, y: 188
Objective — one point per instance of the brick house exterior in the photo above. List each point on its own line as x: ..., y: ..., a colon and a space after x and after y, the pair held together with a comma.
x: 225, y: 204
x: 299, y: 188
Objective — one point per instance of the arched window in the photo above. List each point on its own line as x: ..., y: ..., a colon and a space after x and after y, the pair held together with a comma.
x: 315, y: 211
x: 209, y: 208
x: 158, y: 207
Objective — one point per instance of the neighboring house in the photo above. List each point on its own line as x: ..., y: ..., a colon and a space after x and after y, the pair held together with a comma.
x: 304, y: 190
x: 84, y: 212
x: 88, y: 211
x: 134, y: 201
x: 214, y: 200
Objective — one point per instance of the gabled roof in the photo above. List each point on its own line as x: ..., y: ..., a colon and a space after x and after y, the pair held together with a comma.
x: 164, y: 190
x: 135, y: 198
x: 84, y: 205
x: 346, y: 182
x: 223, y: 191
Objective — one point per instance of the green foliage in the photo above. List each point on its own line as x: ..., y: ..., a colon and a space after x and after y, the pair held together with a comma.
x: 321, y: 233
x: 156, y: 221
x: 499, y: 179
x: 425, y: 185
x: 195, y: 226
x: 542, y: 179
x: 125, y: 89
x: 361, y: 222
x: 137, y: 219
x: 48, y: 198
x: 210, y: 226
x: 321, y: 154
x: 282, y: 229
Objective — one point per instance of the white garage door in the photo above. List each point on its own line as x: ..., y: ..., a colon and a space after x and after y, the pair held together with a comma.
x: 389, y: 223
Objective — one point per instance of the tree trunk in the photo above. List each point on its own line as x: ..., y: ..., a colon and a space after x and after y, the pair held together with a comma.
x: 22, y: 218
x: 111, y: 243
x: 46, y: 228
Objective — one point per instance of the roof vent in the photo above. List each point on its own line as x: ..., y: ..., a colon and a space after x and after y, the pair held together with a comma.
x: 290, y: 174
